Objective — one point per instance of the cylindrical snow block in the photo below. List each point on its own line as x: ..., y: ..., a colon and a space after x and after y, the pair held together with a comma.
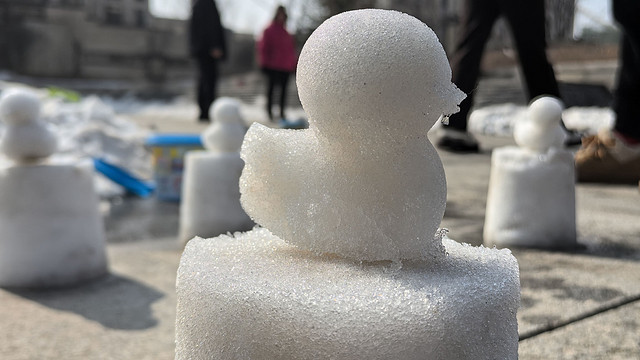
x: 531, y: 200
x: 52, y: 231
x: 256, y: 297
x: 211, y: 196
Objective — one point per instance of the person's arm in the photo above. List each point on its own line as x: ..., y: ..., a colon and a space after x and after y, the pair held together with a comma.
x: 196, y: 30
x: 218, y: 47
x: 264, y: 48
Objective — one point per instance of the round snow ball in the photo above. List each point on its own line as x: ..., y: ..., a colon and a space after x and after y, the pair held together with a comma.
x: 546, y: 110
x: 375, y: 64
x: 226, y: 109
x: 19, y: 106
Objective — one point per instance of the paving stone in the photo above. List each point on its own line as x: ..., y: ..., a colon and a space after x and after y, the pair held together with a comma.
x: 612, y: 335
x: 130, y: 314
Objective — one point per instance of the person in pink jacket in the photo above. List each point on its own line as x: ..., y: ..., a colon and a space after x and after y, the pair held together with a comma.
x: 277, y: 58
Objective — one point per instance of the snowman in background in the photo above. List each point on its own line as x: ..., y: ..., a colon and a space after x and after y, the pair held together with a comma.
x: 210, y: 203
x: 52, y: 230
x: 26, y: 138
x: 531, y: 199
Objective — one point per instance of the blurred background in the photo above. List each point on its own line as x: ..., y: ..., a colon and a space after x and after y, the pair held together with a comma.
x: 141, y: 45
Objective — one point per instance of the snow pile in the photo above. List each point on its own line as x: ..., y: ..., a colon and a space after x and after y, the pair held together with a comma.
x: 91, y: 128
x: 350, y: 264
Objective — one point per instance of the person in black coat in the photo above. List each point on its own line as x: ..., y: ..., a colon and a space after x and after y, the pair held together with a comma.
x: 208, y: 47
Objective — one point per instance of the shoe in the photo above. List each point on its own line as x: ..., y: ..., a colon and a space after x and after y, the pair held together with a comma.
x: 605, y: 158
x: 572, y: 137
x: 456, y: 141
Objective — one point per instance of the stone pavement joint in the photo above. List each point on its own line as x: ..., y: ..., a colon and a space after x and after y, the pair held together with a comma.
x: 596, y: 311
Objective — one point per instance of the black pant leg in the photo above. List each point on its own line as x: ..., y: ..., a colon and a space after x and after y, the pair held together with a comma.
x: 271, y: 83
x: 284, y: 81
x: 477, y: 21
x: 207, y: 82
x: 527, y: 21
x: 627, y: 93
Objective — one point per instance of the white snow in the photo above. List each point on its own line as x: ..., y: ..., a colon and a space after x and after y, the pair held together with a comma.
x: 363, y: 181
x: 540, y: 130
x: 52, y: 230
x: 531, y: 199
x: 227, y: 131
x: 26, y: 137
x: 256, y: 297
x: 499, y: 120
x: 210, y: 203
x: 349, y: 264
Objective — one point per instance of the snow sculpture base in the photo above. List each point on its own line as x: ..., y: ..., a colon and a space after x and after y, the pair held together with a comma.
x: 256, y: 297
x: 52, y: 229
x: 531, y: 199
x: 211, y: 196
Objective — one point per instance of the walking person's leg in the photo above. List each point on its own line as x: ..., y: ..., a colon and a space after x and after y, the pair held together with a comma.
x: 627, y: 93
x: 271, y: 82
x: 478, y: 17
x: 284, y: 81
x: 527, y: 22
x: 207, y: 82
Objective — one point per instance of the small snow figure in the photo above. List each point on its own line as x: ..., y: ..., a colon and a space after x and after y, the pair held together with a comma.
x: 227, y: 132
x: 541, y: 130
x: 53, y: 233
x: 210, y: 203
x: 26, y: 137
x: 531, y: 198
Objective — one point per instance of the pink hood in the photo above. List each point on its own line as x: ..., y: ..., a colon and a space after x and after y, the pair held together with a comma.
x: 276, y: 49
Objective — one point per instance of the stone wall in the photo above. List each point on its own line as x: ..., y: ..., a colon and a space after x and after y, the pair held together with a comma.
x: 68, y: 41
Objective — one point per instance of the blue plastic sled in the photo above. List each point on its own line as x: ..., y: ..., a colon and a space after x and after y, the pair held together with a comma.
x: 125, y: 179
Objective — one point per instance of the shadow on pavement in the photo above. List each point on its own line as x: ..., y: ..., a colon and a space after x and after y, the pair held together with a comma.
x: 114, y: 301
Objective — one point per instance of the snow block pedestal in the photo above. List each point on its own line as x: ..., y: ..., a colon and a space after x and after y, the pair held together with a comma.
x: 256, y: 297
x: 210, y: 192
x: 211, y: 195
x: 52, y: 231
x: 531, y: 199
